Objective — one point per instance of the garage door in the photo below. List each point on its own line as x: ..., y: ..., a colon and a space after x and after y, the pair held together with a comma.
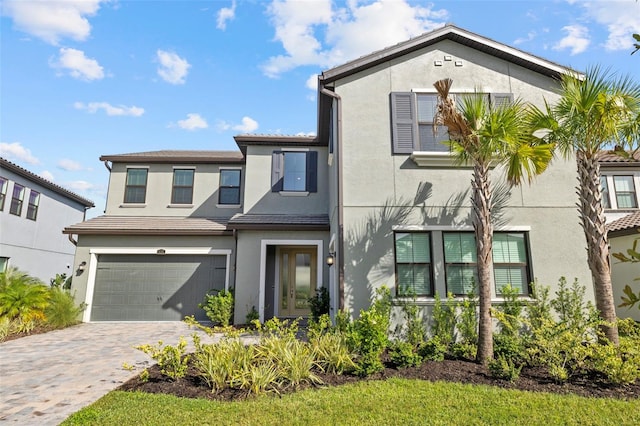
x: 154, y: 288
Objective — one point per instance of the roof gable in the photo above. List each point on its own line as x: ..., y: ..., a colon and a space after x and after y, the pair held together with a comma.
x: 458, y: 35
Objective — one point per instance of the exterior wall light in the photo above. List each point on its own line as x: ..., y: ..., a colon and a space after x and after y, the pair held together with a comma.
x: 81, y: 266
x: 331, y: 258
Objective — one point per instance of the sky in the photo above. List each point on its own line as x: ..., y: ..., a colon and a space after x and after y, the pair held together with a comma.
x: 85, y: 78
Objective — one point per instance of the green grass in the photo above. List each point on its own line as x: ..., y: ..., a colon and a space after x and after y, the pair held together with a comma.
x: 391, y: 402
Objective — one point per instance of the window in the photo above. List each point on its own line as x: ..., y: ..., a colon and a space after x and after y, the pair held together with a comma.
x: 17, y: 199
x: 32, y: 207
x: 135, y: 191
x: 413, y: 264
x: 461, y: 272
x: 606, y: 201
x: 625, y: 192
x: 510, y: 264
x: 4, y: 183
x: 412, y: 121
x: 229, y: 192
x: 182, y: 186
x: 4, y: 263
x: 294, y: 171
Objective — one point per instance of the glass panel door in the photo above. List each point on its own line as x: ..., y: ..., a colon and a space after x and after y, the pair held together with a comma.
x: 298, y: 272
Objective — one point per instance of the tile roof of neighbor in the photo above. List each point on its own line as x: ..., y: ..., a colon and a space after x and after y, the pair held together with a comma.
x: 458, y: 35
x: 279, y: 221
x: 178, y: 156
x: 44, y: 182
x: 611, y: 157
x: 149, y: 225
x: 626, y: 223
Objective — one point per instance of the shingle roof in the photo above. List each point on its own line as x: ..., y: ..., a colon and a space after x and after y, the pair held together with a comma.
x: 627, y: 224
x: 279, y: 221
x: 612, y: 157
x: 178, y: 156
x: 145, y: 225
x: 6, y: 164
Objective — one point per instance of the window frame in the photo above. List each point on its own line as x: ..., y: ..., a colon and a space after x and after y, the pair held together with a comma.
x: 17, y: 202
x: 238, y: 187
x: 405, y: 119
x: 428, y: 265
x: 465, y: 265
x: 606, y: 194
x: 174, y: 186
x: 4, y: 186
x: 524, y: 265
x: 632, y: 192
x: 33, y: 205
x: 128, y: 187
x: 278, y: 171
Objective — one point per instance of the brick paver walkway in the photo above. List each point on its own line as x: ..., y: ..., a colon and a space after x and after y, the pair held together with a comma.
x: 46, y: 377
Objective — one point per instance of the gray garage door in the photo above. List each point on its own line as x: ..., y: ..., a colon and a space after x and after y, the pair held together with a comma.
x: 154, y: 288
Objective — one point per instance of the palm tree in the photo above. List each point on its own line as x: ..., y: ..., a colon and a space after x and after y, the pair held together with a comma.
x: 484, y: 136
x: 594, y: 112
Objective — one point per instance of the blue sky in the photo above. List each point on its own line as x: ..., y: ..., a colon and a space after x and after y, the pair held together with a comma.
x: 83, y: 78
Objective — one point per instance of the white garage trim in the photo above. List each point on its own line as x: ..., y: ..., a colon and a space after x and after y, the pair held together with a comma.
x: 93, y: 264
x: 263, y: 264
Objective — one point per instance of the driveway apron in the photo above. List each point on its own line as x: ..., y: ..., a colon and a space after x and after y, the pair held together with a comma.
x: 44, y: 378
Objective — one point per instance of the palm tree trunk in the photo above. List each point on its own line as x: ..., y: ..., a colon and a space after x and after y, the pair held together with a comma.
x: 593, y: 223
x: 484, y: 236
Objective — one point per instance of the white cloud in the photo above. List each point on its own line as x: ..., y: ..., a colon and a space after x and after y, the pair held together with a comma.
x: 78, y: 65
x: 80, y: 185
x: 173, y: 69
x: 69, y: 165
x: 621, y: 18
x: 312, y: 82
x: 45, y: 174
x: 577, y: 39
x: 193, y: 122
x: 226, y: 14
x: 346, y: 31
x: 53, y: 20
x: 248, y: 125
x: 530, y: 36
x: 120, y: 110
x: 15, y: 151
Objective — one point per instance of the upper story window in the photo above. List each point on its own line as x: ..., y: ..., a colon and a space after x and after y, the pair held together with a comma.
x: 182, y: 192
x: 619, y: 191
x: 32, y: 207
x: 413, y: 264
x: 294, y: 171
x: 135, y: 191
x: 412, y: 121
x: 4, y: 183
x: 17, y: 199
x: 229, y: 191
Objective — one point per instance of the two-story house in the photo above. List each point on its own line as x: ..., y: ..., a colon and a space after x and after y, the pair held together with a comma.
x: 374, y: 199
x: 620, y: 180
x: 33, y: 211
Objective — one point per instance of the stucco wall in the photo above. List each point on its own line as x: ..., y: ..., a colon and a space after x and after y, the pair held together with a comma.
x: 38, y: 247
x: 623, y: 274
x: 373, y: 177
x: 159, y: 186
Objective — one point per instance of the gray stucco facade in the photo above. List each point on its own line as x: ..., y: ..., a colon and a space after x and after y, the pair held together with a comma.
x: 31, y: 236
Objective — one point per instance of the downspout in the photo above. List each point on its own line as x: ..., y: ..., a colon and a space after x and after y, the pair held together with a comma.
x: 73, y: 241
x: 338, y: 153
x: 106, y: 201
x: 235, y: 256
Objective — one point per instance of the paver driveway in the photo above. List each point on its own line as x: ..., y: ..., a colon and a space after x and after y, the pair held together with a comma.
x: 46, y: 377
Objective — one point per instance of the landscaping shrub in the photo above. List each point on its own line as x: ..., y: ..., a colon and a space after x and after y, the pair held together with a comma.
x: 172, y: 360
x: 219, y: 307
x: 443, y: 319
x: 403, y: 354
x: 332, y: 355
x: 22, y: 297
x: 252, y: 315
x: 214, y: 363
x: 433, y: 349
x: 62, y: 310
x: 319, y: 304
x: 413, y: 329
x: 504, y: 368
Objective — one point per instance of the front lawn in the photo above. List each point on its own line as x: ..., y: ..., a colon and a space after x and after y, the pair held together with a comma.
x: 394, y: 401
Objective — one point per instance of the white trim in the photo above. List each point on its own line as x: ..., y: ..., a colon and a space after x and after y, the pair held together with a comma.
x: 291, y: 149
x: 187, y: 167
x: 294, y: 193
x: 230, y: 168
x: 228, y: 206
x: 180, y: 206
x: 133, y: 205
x: 263, y: 265
x: 463, y: 228
x: 93, y: 264
x: 136, y: 167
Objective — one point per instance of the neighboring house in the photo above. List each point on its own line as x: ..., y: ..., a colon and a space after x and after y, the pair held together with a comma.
x: 33, y: 212
x: 620, y: 178
x: 374, y: 199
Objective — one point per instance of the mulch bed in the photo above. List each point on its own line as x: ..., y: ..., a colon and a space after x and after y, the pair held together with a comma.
x: 460, y: 371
